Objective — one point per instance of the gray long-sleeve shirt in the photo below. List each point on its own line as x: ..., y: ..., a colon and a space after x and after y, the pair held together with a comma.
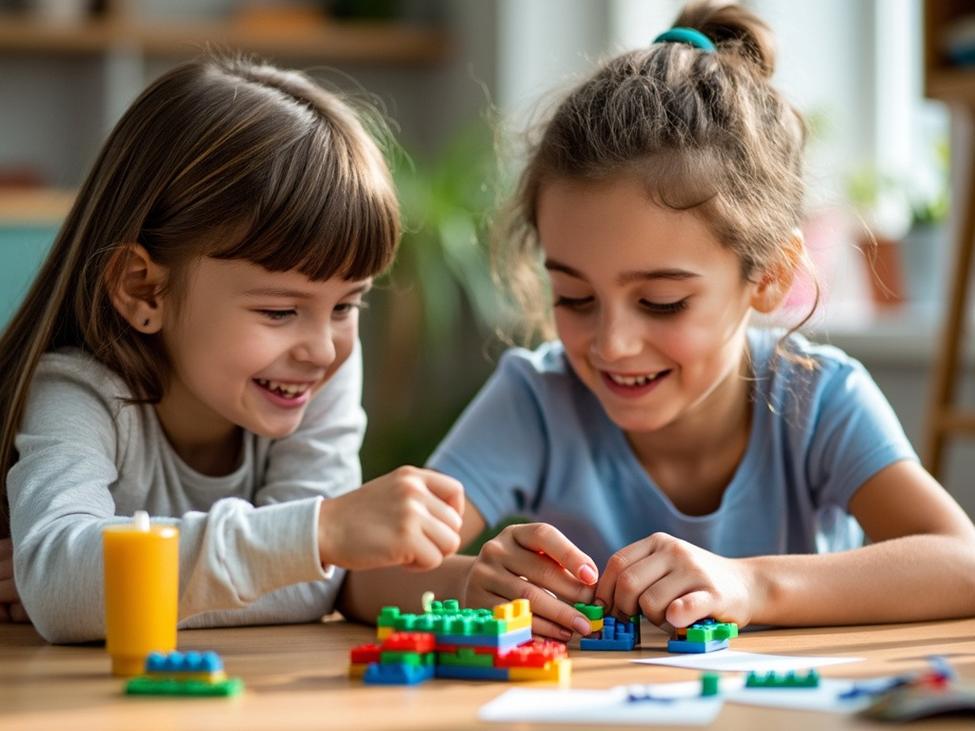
x: 248, y: 540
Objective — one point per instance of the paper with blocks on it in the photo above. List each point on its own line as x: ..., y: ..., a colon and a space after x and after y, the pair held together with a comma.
x: 735, y: 660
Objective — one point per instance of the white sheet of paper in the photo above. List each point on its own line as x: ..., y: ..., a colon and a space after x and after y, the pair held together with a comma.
x: 734, y: 660
x: 824, y: 698
x: 599, y: 707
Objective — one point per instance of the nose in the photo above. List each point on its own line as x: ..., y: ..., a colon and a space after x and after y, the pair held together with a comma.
x: 316, y: 348
x: 618, y: 336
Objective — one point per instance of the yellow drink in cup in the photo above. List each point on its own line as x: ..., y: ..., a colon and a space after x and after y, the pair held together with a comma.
x: 141, y: 591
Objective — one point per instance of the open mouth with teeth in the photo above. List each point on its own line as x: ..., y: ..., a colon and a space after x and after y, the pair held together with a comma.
x: 633, y: 382
x: 282, y: 389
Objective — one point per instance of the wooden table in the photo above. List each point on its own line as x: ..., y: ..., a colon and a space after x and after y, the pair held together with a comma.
x: 296, y: 679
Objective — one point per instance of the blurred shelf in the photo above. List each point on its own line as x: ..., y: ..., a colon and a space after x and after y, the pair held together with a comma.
x: 908, y: 336
x: 30, y: 207
x: 351, y: 42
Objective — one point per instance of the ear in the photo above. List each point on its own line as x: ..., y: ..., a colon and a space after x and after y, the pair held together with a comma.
x: 776, y: 281
x: 136, y: 289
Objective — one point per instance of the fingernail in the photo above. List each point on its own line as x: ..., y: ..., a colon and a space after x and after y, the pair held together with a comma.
x: 582, y: 626
x: 588, y: 574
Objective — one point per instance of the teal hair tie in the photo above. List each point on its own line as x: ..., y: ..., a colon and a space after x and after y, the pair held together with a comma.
x: 689, y: 36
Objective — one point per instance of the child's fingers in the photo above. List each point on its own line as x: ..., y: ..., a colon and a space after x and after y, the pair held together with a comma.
x: 691, y: 607
x: 442, y: 512
x: 427, y: 555
x: 658, y: 596
x: 544, y: 605
x: 545, y: 628
x: 446, y: 488
x: 620, y: 561
x: 544, y: 573
x: 8, y: 592
x: 547, y: 539
x: 443, y: 536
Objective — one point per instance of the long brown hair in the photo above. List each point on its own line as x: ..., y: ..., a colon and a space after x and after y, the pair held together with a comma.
x: 704, y: 132
x: 221, y: 157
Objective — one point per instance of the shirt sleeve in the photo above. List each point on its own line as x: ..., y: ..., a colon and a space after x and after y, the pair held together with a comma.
x: 60, y: 500
x: 499, y: 446
x: 855, y: 434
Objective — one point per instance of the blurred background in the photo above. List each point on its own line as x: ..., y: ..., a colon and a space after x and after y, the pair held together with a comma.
x: 460, y: 81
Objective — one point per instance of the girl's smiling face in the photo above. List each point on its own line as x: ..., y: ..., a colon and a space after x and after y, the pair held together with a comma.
x: 250, y: 348
x: 649, y: 305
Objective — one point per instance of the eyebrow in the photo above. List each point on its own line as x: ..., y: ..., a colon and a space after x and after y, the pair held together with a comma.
x: 297, y: 293
x: 626, y: 277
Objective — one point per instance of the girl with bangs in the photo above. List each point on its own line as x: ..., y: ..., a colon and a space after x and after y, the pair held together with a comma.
x: 190, y: 348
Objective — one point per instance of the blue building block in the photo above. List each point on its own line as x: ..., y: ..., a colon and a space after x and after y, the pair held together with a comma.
x: 502, y: 643
x: 614, y: 635
x: 688, y: 646
x: 597, y: 643
x: 389, y: 674
x: 466, y: 672
x: 179, y: 662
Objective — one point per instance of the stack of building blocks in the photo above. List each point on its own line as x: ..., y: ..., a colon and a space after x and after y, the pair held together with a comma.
x: 450, y: 642
x: 190, y: 674
x: 608, y: 633
x: 705, y: 635
x: 790, y: 679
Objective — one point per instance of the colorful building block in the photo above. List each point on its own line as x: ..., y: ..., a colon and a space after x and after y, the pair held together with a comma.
x: 710, y: 684
x: 448, y: 641
x: 378, y: 673
x: 705, y: 635
x: 189, y: 674
x: 790, y: 679
x: 615, y: 636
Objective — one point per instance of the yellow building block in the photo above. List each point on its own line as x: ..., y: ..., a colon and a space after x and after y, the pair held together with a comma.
x: 595, y: 625
x: 522, y: 607
x: 218, y: 677
x: 504, y: 611
x: 383, y: 632
x: 557, y: 671
x: 357, y: 669
x: 519, y: 622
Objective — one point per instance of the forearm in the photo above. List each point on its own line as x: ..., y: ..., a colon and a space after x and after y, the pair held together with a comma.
x: 918, y: 577
x: 365, y: 593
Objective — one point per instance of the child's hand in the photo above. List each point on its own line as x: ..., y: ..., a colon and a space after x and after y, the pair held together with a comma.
x: 11, y: 610
x: 670, y: 580
x: 410, y: 517
x: 534, y: 562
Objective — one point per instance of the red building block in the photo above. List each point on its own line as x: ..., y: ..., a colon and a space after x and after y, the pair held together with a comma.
x: 534, y: 655
x: 364, y: 654
x: 410, y: 642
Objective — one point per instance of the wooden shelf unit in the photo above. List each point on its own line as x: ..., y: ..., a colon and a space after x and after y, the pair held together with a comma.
x: 328, y: 41
x: 956, y: 86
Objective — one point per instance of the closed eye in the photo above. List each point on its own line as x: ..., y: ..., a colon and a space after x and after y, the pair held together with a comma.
x: 573, y: 303
x: 664, y: 308
x: 277, y: 315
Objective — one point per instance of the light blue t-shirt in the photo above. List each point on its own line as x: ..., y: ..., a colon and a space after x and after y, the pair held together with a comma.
x: 537, y: 442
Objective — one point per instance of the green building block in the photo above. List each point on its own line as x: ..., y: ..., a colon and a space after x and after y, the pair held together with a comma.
x: 710, y: 684
x: 406, y: 657
x: 700, y: 634
x: 591, y: 611
x: 790, y: 680
x: 466, y: 657
x: 145, y: 685
x: 387, y: 617
x: 725, y: 631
